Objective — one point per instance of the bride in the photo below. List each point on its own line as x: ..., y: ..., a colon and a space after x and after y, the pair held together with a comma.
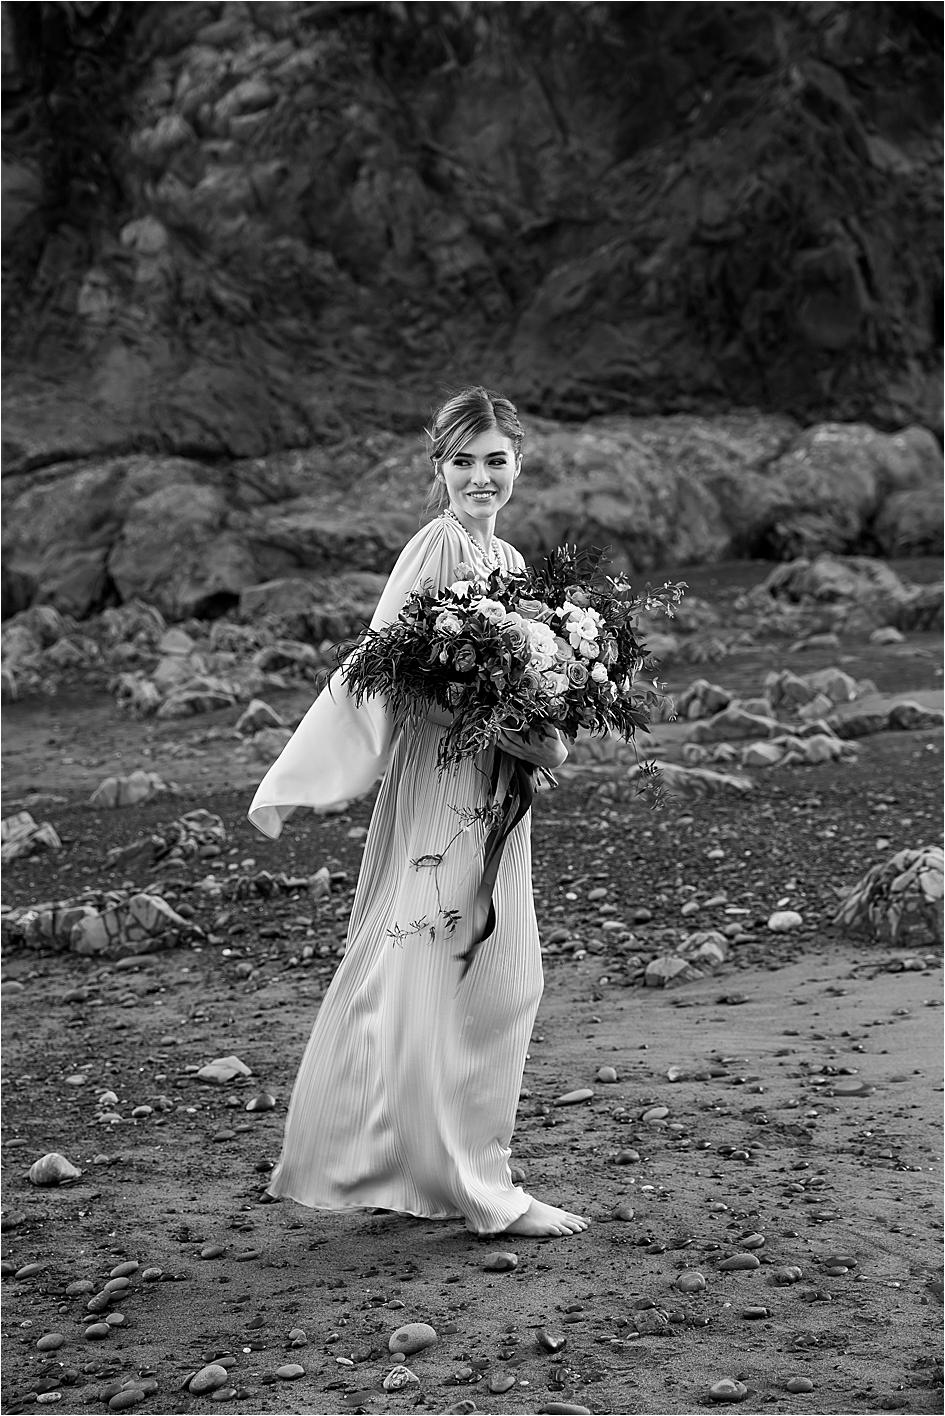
x: 406, y: 1095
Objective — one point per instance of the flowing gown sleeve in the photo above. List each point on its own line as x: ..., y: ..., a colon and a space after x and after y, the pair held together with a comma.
x: 339, y: 750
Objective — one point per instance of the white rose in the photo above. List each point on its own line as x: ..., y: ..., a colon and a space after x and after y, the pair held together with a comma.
x: 447, y: 623
x: 588, y: 650
x: 490, y: 610
x: 599, y: 673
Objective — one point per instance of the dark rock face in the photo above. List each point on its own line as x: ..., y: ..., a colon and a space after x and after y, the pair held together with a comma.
x: 236, y: 228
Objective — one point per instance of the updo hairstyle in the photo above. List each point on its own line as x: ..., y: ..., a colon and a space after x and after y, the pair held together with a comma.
x: 460, y: 419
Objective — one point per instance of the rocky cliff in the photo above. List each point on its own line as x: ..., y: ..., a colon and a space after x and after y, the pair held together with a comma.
x: 236, y: 228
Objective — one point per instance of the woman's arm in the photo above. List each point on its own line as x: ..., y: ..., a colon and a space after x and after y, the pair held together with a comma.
x: 542, y: 746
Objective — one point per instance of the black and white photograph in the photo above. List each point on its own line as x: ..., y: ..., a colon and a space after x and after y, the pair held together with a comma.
x: 472, y: 706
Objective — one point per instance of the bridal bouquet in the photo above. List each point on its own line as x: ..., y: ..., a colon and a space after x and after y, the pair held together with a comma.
x: 557, y: 643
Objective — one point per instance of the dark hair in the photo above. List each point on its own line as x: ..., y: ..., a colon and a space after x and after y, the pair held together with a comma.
x: 460, y: 419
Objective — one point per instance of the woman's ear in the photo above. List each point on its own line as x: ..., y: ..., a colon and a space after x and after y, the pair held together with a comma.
x: 518, y: 465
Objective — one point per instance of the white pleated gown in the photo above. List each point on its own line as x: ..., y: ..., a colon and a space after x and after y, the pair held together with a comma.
x: 407, y: 1091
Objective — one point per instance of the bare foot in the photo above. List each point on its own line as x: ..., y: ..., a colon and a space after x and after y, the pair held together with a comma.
x: 541, y: 1220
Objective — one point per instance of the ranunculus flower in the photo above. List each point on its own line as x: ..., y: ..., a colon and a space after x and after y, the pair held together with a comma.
x: 599, y: 673
x: 565, y: 651
x: 464, y: 658
x: 465, y: 572
x: 462, y: 589
x: 512, y: 620
x: 577, y: 673
x: 447, y: 623
x: 588, y: 649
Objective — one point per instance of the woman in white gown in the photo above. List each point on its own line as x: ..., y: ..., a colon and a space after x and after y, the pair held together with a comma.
x: 406, y: 1095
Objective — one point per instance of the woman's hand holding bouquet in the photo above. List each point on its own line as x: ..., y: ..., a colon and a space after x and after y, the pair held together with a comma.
x: 517, y: 658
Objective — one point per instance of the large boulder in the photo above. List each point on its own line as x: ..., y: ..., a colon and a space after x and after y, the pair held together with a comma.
x: 306, y: 540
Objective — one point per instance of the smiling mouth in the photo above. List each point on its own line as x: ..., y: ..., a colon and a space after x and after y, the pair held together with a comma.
x: 483, y: 494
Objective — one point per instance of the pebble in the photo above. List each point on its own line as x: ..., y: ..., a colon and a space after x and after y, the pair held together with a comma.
x: 624, y: 1210
x: 740, y: 1261
x: 96, y: 1332
x: 753, y: 1313
x: 213, y: 1251
x: 412, y: 1337
x: 209, y: 1378
x: 50, y: 1341
x: 117, y: 1285
x: 691, y: 1281
x: 753, y: 1241
x: 81, y: 1285
x: 799, y: 1384
x: 290, y: 1371
x: 226, y: 1393
x: 297, y: 1337
x: 654, y: 1113
x: 151, y: 1275
x: 626, y: 1157
x: 400, y: 1377
x: 562, y: 1408
x: 846, y: 1261
x: 606, y: 1074
x: 781, y: 1277
x: 124, y: 1400
x: 783, y: 920
x: 500, y: 1383
x: 571, y: 1098
x: 124, y: 1270
x: 30, y: 1270
x: 499, y: 1261
x: 264, y: 1102
x: 549, y: 1341
x: 728, y: 1390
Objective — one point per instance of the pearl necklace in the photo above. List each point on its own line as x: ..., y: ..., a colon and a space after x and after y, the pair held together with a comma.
x: 488, y: 560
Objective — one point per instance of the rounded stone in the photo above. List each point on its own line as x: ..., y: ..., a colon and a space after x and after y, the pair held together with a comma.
x: 740, y: 1261
x: 501, y: 1382
x: 691, y: 1281
x: 728, y: 1390
x: 655, y: 1113
x: 499, y: 1261
x: 796, y: 1384
x: 124, y: 1400
x: 97, y: 1332
x: 80, y: 1285
x: 50, y: 1342
x: 572, y: 1098
x: 412, y: 1337
x: 290, y: 1371
x: 208, y: 1379
x: 606, y: 1074
x: 117, y: 1285
x: 124, y: 1270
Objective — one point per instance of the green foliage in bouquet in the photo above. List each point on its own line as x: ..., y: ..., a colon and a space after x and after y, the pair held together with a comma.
x: 558, y: 643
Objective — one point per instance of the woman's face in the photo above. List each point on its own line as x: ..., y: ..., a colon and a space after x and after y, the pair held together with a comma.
x: 479, y: 478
